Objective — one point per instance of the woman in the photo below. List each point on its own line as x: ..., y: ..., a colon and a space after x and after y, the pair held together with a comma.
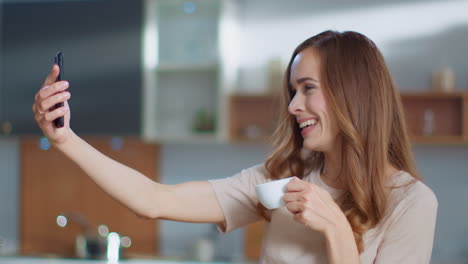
x: 356, y: 197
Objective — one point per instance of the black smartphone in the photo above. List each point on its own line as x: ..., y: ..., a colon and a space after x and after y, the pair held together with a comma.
x: 59, y: 122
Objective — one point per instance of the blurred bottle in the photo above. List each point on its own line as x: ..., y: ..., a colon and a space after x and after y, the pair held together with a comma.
x: 204, y: 250
x: 275, y: 71
x: 443, y: 80
x: 429, y: 120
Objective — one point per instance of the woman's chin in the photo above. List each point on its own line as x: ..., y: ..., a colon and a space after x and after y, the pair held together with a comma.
x: 312, y: 145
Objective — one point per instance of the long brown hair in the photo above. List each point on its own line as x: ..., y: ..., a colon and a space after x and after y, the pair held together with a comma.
x: 361, y: 93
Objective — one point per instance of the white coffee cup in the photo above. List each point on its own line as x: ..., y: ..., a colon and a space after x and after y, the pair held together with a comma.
x: 270, y: 194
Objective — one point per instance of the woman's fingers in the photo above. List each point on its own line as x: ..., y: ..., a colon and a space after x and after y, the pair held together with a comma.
x: 310, y: 194
x: 311, y: 205
x: 296, y: 185
x: 45, y: 105
x: 47, y: 91
x: 52, y: 115
x: 52, y: 77
x: 295, y: 207
x: 294, y: 196
x: 50, y: 94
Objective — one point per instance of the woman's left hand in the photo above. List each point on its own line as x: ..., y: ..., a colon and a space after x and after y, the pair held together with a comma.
x: 313, y: 206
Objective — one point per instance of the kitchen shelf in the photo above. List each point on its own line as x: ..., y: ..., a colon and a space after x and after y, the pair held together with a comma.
x: 437, y: 118
x: 432, y: 118
x: 252, y: 118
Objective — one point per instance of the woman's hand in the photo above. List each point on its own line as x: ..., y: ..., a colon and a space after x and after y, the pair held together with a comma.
x: 313, y: 206
x: 51, y: 93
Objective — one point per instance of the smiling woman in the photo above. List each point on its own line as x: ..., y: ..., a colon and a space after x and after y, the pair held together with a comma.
x: 345, y: 111
x: 354, y: 196
x: 309, y: 104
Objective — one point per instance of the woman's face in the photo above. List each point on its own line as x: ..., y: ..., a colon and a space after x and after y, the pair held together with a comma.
x: 317, y: 123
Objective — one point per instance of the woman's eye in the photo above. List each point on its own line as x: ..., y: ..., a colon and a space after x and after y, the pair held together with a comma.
x: 309, y: 87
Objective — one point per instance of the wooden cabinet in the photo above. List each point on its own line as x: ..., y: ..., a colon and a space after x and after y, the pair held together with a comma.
x: 253, y: 240
x: 51, y: 185
x: 252, y: 118
x: 437, y: 117
x: 432, y: 118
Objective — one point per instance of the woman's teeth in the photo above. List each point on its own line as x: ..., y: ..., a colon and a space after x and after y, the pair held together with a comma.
x: 307, y: 123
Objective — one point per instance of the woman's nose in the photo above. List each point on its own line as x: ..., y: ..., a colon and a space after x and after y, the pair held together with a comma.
x: 296, y: 105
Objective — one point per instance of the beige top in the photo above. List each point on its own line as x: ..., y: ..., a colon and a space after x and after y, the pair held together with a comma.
x: 405, y: 234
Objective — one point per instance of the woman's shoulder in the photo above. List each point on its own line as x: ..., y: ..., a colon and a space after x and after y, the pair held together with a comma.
x: 407, y: 191
x: 404, y: 182
x: 258, y: 171
x: 255, y: 174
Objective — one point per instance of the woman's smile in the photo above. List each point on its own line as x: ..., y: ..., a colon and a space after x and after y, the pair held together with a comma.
x: 307, y: 126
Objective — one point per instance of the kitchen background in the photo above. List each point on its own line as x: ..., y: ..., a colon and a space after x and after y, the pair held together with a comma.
x: 121, y: 55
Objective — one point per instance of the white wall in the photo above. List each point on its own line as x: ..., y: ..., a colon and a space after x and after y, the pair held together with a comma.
x: 445, y: 170
x: 416, y: 37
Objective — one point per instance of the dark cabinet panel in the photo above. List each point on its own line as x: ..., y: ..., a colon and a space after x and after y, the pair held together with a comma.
x: 101, y: 40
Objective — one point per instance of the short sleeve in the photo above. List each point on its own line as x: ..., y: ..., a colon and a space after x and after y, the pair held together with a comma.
x: 410, y: 237
x: 237, y: 198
